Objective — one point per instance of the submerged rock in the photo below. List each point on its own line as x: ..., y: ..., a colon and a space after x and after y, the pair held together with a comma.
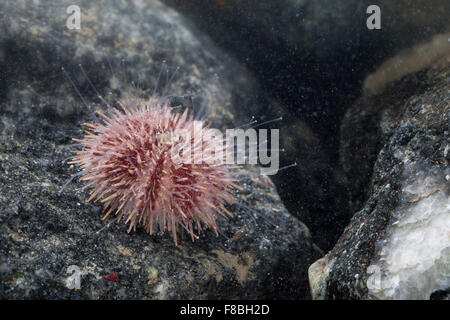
x: 51, y: 242
x: 395, y: 150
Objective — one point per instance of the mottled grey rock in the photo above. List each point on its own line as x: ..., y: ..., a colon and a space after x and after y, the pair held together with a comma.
x: 395, y: 150
x: 262, y: 252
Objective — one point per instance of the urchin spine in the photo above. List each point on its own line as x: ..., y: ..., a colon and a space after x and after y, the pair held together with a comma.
x: 127, y: 161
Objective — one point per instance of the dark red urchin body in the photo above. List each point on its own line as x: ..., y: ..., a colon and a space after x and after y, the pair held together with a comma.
x: 128, y: 161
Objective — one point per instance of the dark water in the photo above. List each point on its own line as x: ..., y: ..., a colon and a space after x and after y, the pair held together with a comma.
x: 312, y: 58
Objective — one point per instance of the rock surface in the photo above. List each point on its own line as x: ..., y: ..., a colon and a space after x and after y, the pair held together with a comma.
x: 47, y: 237
x: 395, y: 149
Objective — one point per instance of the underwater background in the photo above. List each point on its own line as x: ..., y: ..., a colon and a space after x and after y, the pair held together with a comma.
x: 363, y: 92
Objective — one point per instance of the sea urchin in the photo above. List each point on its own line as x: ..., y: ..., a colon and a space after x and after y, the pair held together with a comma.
x: 128, y: 161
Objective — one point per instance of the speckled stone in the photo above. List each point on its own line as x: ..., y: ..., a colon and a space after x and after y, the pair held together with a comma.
x: 262, y: 252
x: 394, y: 147
x: 319, y: 27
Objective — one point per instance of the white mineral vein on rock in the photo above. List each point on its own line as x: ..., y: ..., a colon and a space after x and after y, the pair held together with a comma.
x: 414, y: 258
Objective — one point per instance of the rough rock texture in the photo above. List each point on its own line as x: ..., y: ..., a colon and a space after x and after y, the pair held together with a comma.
x: 263, y: 252
x: 395, y: 147
x: 414, y: 258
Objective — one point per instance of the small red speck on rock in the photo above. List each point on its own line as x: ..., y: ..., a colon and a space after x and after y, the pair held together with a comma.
x: 113, y: 276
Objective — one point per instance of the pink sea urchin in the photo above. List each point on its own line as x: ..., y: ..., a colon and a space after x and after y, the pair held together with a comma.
x: 128, y: 161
